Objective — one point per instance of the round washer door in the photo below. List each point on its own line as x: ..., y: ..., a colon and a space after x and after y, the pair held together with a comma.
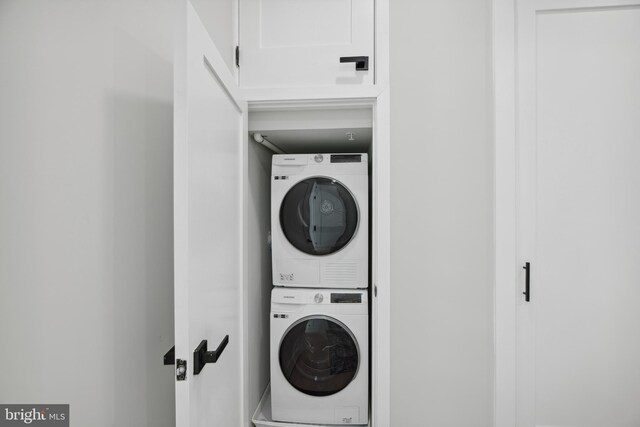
x: 319, y: 216
x: 319, y: 356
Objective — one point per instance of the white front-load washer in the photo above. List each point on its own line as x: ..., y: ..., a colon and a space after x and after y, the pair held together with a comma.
x: 320, y: 220
x: 320, y: 356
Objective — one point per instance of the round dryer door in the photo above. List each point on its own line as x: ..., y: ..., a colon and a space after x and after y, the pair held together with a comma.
x: 319, y: 356
x: 319, y: 216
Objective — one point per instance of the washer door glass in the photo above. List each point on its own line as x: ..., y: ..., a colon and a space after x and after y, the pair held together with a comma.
x: 319, y: 356
x: 319, y: 216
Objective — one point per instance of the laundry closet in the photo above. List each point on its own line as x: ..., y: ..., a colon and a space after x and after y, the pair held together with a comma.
x: 307, y: 106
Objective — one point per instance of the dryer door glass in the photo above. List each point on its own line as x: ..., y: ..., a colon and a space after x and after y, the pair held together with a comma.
x: 319, y: 216
x: 319, y: 356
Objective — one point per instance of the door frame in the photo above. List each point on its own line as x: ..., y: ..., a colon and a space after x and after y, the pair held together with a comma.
x: 378, y: 97
x: 504, y: 87
x: 380, y: 339
x: 507, y: 29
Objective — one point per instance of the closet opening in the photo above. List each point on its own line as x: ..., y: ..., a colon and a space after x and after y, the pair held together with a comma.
x: 324, y: 128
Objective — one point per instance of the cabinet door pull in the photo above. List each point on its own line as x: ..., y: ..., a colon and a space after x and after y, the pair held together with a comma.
x: 362, y: 62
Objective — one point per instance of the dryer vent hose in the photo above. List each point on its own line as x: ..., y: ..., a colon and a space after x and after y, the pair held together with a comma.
x: 257, y: 137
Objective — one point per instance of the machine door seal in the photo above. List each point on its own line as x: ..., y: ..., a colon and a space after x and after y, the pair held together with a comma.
x: 319, y: 216
x: 319, y: 356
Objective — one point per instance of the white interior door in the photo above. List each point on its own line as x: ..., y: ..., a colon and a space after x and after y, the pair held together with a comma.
x: 578, y: 338
x: 209, y: 124
x: 285, y: 43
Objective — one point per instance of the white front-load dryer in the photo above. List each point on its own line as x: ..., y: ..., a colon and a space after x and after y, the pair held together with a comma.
x: 319, y: 356
x: 320, y: 220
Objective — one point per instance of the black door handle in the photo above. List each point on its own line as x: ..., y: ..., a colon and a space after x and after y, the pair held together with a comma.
x: 201, y: 356
x: 527, y: 281
x: 362, y: 62
x: 170, y: 356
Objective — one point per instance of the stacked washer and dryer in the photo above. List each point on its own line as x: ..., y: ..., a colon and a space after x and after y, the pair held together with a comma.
x: 319, y: 306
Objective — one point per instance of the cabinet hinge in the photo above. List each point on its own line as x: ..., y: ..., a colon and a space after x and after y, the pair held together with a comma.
x: 238, y: 56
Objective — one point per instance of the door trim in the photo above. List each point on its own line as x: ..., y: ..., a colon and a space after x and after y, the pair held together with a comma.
x: 504, y: 77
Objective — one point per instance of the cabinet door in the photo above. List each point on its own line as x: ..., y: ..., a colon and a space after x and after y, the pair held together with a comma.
x: 578, y: 344
x: 209, y: 124
x: 285, y: 43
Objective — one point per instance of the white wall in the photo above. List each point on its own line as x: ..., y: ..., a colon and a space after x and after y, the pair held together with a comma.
x: 86, y: 277
x: 259, y: 283
x: 442, y: 197
x: 86, y: 210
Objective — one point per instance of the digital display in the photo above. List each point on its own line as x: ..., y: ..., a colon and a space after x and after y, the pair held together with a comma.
x: 346, y: 298
x: 346, y: 158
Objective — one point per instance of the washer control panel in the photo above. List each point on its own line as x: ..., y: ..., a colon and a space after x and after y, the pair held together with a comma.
x: 297, y: 296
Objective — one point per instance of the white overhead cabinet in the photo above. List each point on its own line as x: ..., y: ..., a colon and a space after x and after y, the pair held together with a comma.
x: 293, y: 43
x: 222, y: 181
